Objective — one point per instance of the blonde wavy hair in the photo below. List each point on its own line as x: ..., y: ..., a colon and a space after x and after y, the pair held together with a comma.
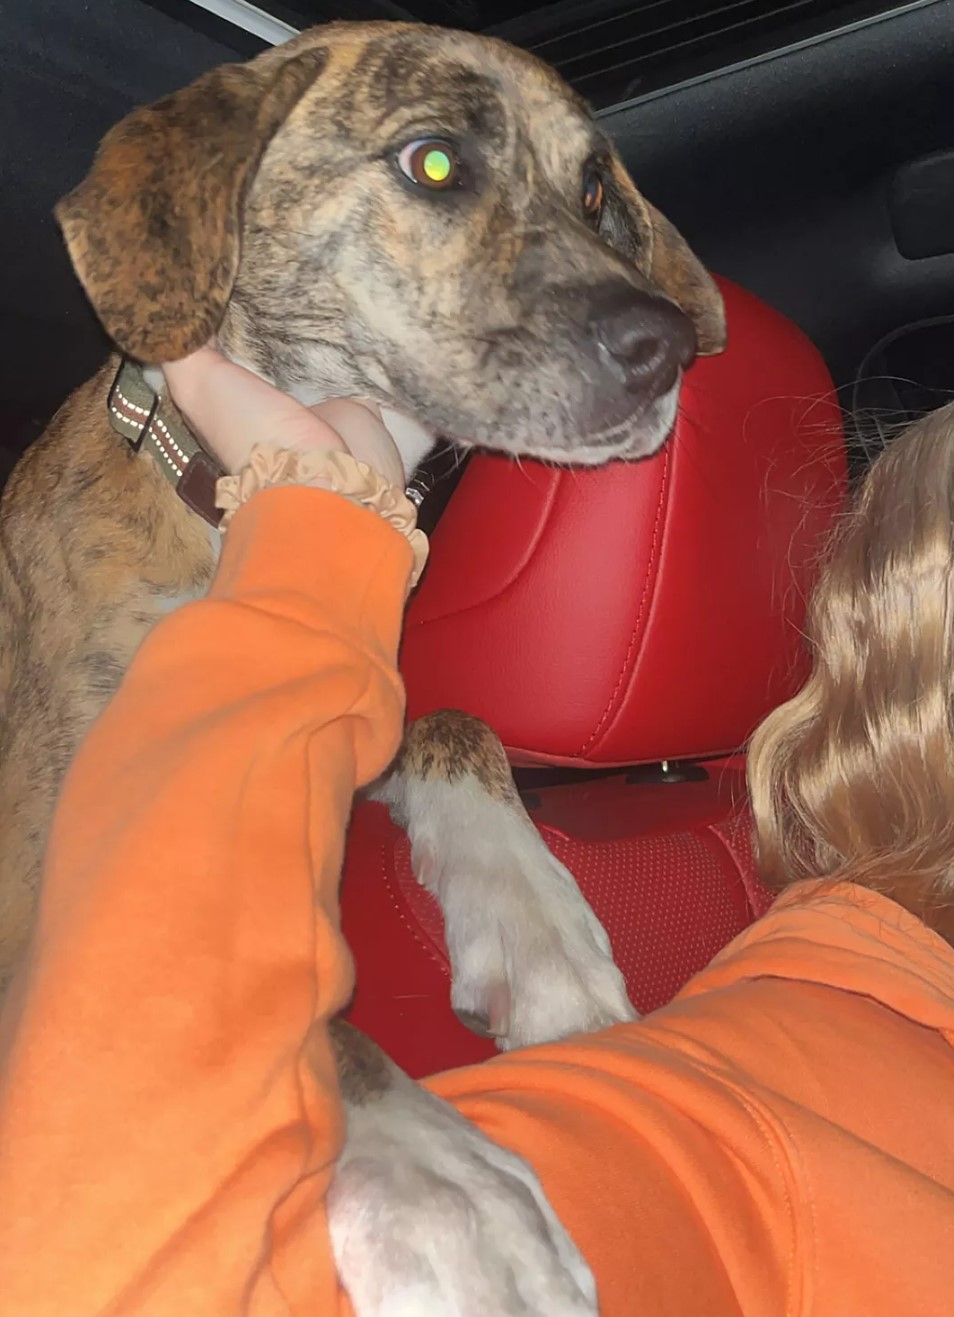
x: 854, y: 777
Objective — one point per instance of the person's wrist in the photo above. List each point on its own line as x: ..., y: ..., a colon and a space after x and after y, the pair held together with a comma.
x: 338, y: 473
x: 263, y: 437
x: 233, y: 410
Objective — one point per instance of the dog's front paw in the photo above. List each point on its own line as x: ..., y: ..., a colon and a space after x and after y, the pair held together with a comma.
x: 429, y: 1218
x: 531, y: 962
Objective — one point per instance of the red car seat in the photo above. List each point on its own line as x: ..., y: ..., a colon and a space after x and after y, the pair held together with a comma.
x: 644, y: 615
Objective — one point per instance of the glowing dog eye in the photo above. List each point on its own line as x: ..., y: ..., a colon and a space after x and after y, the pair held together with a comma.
x: 431, y: 163
x: 592, y: 196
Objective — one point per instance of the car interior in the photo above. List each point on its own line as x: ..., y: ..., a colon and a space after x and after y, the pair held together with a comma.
x: 623, y: 629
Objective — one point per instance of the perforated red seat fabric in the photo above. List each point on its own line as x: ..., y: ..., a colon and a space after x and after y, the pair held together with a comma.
x: 632, y: 614
x: 671, y: 891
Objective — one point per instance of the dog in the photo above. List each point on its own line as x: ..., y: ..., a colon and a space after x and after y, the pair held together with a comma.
x: 435, y: 222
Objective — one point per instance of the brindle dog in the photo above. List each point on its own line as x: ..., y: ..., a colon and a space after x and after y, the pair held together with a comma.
x: 514, y: 291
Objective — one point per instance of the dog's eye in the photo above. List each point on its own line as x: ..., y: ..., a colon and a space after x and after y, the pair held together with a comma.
x: 592, y: 195
x: 431, y: 163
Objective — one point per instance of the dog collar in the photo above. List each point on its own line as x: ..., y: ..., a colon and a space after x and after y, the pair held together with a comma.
x: 137, y: 413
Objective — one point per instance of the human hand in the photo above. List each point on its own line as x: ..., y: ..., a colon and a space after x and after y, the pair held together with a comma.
x: 233, y: 410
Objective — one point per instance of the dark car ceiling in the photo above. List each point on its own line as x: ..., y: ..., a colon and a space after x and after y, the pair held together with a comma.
x: 610, y: 50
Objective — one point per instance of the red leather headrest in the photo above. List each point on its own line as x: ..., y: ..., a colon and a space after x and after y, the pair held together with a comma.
x: 649, y: 610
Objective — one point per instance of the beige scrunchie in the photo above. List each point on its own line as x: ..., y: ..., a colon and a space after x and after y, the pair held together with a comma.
x: 332, y: 470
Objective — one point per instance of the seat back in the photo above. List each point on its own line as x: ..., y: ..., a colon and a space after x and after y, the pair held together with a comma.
x: 628, y: 615
x: 642, y: 611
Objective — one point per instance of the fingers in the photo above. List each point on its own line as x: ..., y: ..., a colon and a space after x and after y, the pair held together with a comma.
x: 233, y: 410
x: 360, y: 426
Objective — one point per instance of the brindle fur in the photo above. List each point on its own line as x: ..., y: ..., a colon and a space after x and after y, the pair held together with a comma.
x: 262, y: 204
x: 450, y: 745
x: 329, y: 274
x: 94, y: 548
x: 364, y: 1071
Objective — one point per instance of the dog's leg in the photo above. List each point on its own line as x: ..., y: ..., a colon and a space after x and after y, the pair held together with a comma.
x: 530, y: 961
x: 429, y: 1218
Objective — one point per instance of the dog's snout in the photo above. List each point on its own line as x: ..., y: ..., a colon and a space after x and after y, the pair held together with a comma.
x: 648, y: 339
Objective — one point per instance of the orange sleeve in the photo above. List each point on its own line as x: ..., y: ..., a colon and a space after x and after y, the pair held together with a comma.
x: 168, y: 1102
x: 774, y: 1140
x: 164, y: 1144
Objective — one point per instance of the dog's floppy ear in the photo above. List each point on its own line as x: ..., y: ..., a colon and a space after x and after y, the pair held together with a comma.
x: 682, y: 276
x: 637, y: 230
x: 154, y: 229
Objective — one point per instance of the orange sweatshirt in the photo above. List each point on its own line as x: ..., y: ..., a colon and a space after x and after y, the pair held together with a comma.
x: 779, y: 1140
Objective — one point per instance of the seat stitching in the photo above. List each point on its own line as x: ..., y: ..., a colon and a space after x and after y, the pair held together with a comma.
x: 649, y: 582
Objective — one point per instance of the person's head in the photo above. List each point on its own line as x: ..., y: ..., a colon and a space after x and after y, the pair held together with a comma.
x: 854, y: 777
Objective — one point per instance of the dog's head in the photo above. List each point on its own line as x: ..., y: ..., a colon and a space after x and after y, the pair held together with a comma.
x: 421, y: 217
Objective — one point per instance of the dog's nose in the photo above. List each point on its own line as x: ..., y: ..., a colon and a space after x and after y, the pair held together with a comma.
x: 647, y: 338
